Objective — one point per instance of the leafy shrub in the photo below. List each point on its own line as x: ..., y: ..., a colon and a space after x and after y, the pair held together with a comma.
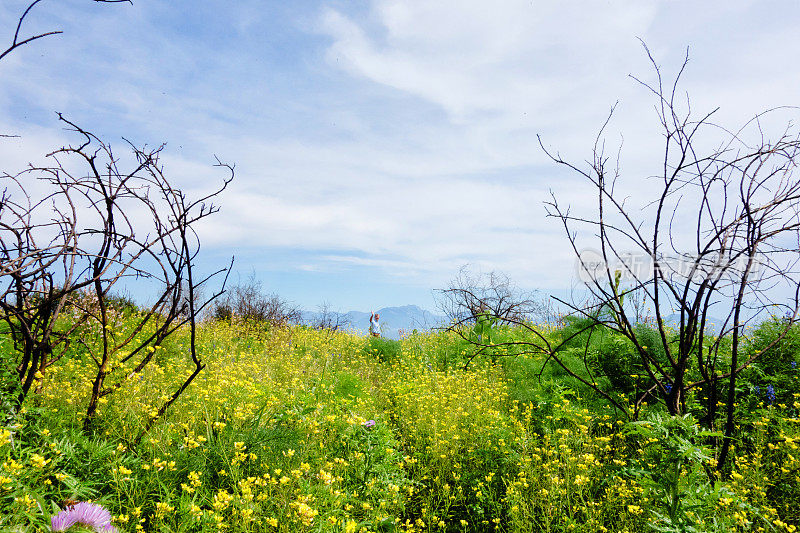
x: 775, y: 375
x: 385, y: 350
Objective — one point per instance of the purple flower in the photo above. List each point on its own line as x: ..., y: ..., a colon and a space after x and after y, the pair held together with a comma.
x: 369, y: 424
x: 86, y: 514
x: 770, y: 394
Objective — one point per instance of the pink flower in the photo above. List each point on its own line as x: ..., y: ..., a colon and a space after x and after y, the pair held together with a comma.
x: 85, y: 514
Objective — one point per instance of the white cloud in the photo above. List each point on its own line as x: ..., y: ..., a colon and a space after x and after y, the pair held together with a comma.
x: 472, y: 60
x: 402, y: 138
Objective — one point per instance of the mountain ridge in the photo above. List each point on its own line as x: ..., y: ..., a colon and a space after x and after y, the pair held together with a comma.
x: 394, y: 321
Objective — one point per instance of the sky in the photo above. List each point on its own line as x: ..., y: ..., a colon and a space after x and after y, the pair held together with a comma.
x: 381, y: 145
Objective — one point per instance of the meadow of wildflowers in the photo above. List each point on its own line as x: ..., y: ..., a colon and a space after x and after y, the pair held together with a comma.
x: 294, y: 429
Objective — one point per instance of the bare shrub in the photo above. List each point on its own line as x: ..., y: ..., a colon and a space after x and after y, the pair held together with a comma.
x: 470, y: 294
x: 247, y: 302
x: 327, y: 319
x: 73, y: 232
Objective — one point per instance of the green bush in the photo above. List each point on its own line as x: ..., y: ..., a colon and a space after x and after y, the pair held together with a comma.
x: 386, y: 350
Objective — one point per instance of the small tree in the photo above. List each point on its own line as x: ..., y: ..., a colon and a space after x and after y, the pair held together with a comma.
x: 472, y: 295
x: 247, y: 302
x: 326, y: 319
x: 68, y: 238
x: 719, y: 238
x: 475, y: 303
x: 72, y: 232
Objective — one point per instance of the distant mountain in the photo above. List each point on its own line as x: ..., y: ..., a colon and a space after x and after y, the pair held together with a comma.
x: 394, y: 320
x: 712, y: 324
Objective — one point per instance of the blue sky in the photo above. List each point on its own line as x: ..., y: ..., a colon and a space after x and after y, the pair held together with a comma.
x: 380, y: 145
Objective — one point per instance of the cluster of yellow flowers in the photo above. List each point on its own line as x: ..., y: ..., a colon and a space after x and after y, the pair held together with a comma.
x: 300, y: 430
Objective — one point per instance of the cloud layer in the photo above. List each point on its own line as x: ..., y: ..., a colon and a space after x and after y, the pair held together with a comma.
x: 399, y: 138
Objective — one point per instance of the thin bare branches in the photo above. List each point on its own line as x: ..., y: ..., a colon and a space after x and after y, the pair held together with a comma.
x: 72, y: 232
x: 715, y: 242
x: 718, y: 241
x: 18, y: 41
x: 471, y: 294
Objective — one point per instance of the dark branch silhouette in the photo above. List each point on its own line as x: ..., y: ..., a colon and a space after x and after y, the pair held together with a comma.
x: 72, y: 232
x: 715, y: 241
x: 712, y: 250
x: 19, y: 41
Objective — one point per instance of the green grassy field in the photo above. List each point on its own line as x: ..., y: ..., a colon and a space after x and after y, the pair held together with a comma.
x: 305, y: 430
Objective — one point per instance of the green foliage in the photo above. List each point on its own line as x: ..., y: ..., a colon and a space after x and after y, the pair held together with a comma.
x: 618, y: 359
x: 122, y: 303
x: 385, y: 350
x: 9, y: 381
x: 482, y: 331
x: 777, y: 359
x: 777, y: 368
x: 672, y: 469
x: 348, y: 386
x: 299, y: 430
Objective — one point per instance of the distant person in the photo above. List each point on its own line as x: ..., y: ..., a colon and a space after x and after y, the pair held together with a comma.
x: 374, y: 325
